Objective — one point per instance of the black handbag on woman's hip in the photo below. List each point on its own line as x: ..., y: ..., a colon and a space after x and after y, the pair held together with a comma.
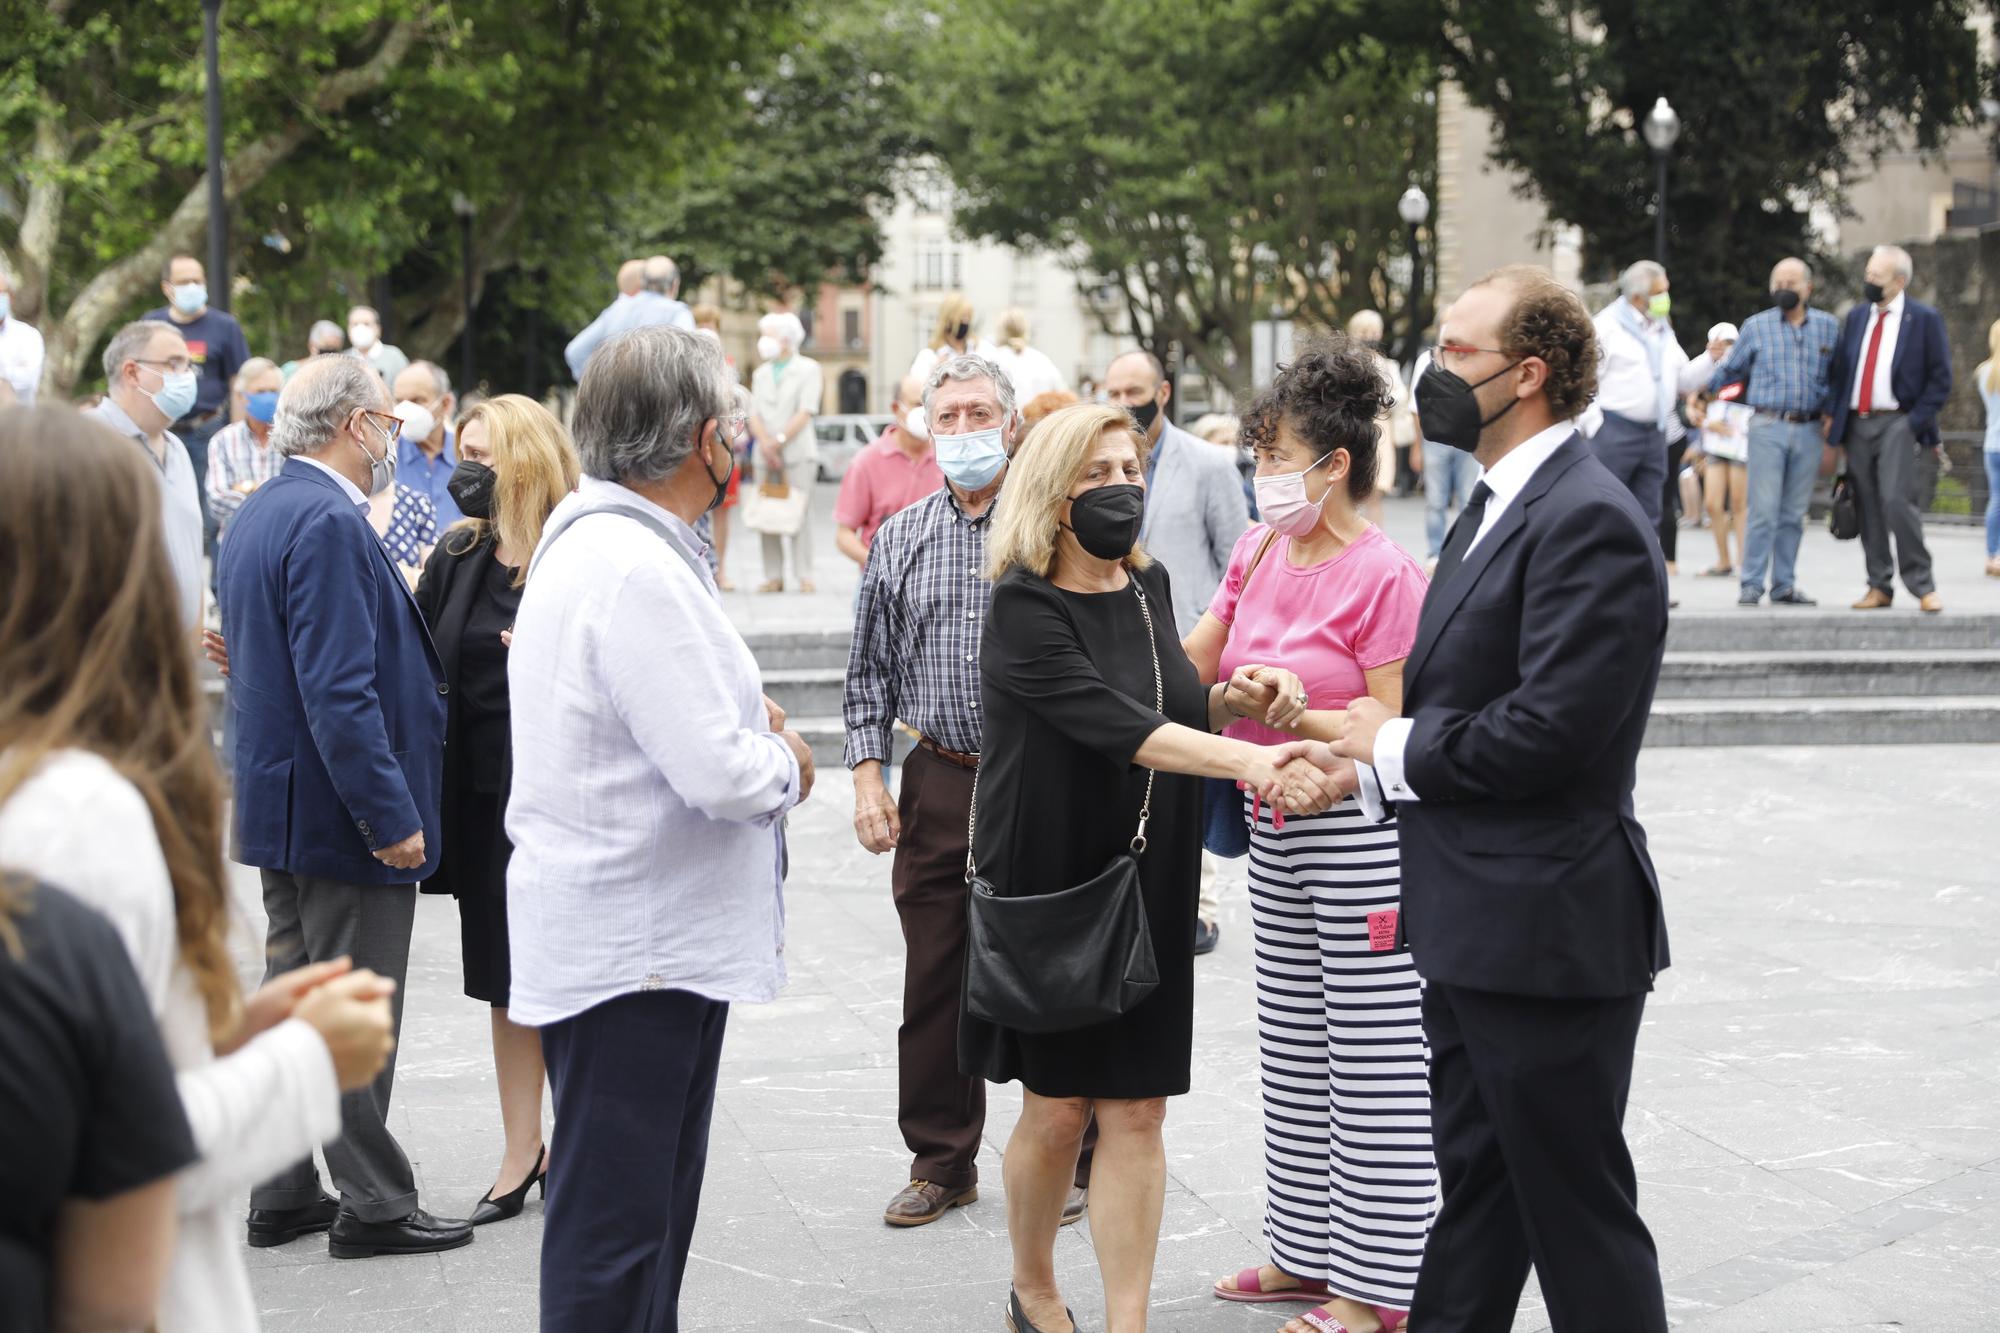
x: 1059, y: 961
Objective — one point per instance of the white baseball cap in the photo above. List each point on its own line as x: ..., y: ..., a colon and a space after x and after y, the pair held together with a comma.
x: 1724, y: 332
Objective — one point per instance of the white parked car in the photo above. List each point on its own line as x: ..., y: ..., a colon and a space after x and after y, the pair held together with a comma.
x: 842, y: 437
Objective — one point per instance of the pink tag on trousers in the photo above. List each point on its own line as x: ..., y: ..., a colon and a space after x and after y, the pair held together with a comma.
x: 1382, y: 931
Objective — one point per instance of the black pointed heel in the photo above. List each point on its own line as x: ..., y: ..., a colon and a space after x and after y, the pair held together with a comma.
x: 510, y: 1204
x: 1017, y: 1318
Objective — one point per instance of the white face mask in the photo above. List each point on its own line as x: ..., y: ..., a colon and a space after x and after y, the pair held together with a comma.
x: 363, y: 336
x: 418, y: 423
x: 381, y: 471
x: 768, y: 348
x: 1282, y: 503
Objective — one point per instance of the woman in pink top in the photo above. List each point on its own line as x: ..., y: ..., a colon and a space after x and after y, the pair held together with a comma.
x: 1318, y: 608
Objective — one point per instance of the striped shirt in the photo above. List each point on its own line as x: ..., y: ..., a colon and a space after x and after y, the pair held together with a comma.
x: 234, y: 457
x: 923, y: 602
x: 1784, y: 366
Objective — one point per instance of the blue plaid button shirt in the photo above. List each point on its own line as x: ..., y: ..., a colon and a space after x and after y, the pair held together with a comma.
x: 1785, y: 366
x: 234, y: 456
x: 924, y: 599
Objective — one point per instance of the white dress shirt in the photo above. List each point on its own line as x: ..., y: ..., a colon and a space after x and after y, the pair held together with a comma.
x: 1506, y: 479
x: 348, y: 488
x: 80, y: 825
x: 1891, y: 320
x: 21, y: 354
x: 648, y: 786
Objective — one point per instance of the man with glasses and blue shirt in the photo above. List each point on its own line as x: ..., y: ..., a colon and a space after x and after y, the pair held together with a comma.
x: 150, y: 384
x: 1784, y: 356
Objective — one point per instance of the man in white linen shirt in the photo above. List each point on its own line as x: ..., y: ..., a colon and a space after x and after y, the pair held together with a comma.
x: 21, y: 350
x: 650, y: 783
x: 1641, y: 374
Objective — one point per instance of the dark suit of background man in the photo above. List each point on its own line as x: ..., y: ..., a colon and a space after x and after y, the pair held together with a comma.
x: 340, y: 713
x: 1529, y: 900
x: 1891, y: 374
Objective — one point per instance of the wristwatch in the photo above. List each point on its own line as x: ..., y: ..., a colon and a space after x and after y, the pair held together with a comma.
x: 781, y: 439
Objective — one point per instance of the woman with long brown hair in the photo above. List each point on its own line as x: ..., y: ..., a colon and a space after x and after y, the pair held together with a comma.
x: 516, y: 463
x: 109, y: 790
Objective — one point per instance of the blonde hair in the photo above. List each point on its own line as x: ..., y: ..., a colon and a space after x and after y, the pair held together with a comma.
x: 535, y: 466
x: 955, y: 310
x: 1989, y: 369
x: 1046, y: 465
x: 706, y: 316
x: 1014, y: 328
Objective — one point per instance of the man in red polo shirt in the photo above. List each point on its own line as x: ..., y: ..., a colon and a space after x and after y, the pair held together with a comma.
x: 897, y: 470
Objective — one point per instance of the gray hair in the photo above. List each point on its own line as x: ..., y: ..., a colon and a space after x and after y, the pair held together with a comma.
x: 1365, y: 319
x: 325, y: 331
x: 1898, y: 257
x: 785, y: 327
x: 970, y: 366
x: 1638, y: 278
x: 256, y: 365
x: 130, y: 343
x: 663, y: 275
x: 439, y: 380
x: 319, y: 399
x: 643, y: 399
x: 367, y: 310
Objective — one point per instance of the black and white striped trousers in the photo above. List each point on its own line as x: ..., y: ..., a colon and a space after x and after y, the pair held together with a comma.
x: 1351, y: 1180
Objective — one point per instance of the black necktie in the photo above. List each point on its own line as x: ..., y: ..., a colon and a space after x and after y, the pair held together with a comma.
x: 1462, y: 533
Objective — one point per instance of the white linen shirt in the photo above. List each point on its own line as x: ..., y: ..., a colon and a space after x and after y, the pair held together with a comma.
x: 1625, y: 382
x: 21, y: 354
x: 1883, y: 399
x: 1506, y: 479
x: 648, y: 787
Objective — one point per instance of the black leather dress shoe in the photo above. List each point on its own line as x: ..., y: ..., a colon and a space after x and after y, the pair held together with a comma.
x: 280, y: 1226
x: 1206, y: 935
x: 419, y: 1233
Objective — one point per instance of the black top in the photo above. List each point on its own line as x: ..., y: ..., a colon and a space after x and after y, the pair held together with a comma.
x: 482, y: 672
x: 1067, y: 690
x: 87, y: 1097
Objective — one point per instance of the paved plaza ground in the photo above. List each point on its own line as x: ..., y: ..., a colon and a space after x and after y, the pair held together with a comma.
x: 1815, y: 1115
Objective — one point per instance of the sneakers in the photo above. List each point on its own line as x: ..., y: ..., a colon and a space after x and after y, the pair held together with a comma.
x: 1791, y: 597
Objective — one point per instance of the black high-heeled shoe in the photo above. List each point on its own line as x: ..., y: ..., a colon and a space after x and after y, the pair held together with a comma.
x: 1017, y: 1318
x: 510, y: 1204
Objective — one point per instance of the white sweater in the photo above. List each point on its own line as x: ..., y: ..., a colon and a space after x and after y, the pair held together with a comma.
x: 79, y: 825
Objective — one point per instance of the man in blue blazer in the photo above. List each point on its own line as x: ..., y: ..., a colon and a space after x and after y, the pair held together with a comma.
x: 340, y: 712
x: 1891, y: 374
x: 1530, y: 903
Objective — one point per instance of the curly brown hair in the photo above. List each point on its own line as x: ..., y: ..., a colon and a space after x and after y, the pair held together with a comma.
x: 1548, y: 322
x: 1331, y: 395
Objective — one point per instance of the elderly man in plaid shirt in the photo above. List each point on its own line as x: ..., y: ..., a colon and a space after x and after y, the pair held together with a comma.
x: 923, y: 603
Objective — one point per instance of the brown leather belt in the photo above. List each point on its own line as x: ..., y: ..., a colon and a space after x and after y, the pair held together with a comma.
x: 1879, y: 412
x: 949, y: 756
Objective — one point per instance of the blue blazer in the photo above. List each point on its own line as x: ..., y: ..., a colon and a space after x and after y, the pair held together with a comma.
x: 1920, y: 375
x: 1525, y: 868
x: 338, y: 692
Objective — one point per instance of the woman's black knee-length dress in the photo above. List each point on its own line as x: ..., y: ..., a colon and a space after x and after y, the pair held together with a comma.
x: 1067, y: 699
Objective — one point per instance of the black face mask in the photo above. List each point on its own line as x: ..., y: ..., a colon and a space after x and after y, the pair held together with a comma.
x: 958, y: 334
x: 1106, y: 520
x: 1873, y: 292
x: 1449, y: 410
x: 471, y: 488
x: 721, y: 487
x: 1144, y: 414
x: 1785, y: 299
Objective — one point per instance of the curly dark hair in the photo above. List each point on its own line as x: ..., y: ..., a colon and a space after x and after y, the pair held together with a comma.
x: 1332, y: 396
x: 1548, y: 321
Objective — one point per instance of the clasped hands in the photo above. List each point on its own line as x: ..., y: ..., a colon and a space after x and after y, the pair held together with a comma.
x: 1277, y: 698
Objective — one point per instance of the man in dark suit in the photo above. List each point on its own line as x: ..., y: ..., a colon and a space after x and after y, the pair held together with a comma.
x: 1529, y: 900
x: 340, y: 713
x: 1891, y: 374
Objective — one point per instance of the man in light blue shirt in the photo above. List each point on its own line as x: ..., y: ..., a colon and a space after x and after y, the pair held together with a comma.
x: 427, y: 450
x: 648, y: 293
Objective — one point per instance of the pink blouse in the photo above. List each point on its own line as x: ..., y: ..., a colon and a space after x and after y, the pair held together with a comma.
x: 1327, y: 623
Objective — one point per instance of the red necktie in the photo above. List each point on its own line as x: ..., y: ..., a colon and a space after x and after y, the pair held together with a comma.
x: 1866, y: 402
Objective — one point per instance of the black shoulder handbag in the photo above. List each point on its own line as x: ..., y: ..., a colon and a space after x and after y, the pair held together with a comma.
x: 1843, y: 516
x: 1059, y: 961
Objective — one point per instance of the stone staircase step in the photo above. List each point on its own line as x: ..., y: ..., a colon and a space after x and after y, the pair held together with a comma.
x: 1777, y: 629
x: 1830, y: 672
x: 787, y: 650
x: 1884, y: 720
x: 806, y: 691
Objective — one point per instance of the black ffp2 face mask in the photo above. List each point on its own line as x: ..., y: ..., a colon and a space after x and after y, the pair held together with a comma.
x: 1873, y: 293
x: 471, y: 488
x: 1785, y: 299
x: 1106, y: 520
x: 1143, y: 414
x: 1449, y: 409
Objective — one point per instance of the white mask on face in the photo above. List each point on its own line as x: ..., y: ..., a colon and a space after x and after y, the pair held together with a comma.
x: 768, y: 348
x: 363, y: 336
x: 382, y: 470
x: 418, y: 423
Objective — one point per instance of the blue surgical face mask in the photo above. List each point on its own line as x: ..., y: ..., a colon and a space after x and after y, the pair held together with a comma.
x: 190, y: 297
x: 262, y: 407
x: 176, y: 394
x: 971, y: 461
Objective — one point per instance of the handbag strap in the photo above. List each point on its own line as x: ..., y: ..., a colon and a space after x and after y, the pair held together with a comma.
x: 1145, y: 805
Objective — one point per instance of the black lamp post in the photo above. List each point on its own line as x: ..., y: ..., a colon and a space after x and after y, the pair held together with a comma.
x: 218, y: 206
x: 1662, y: 128
x: 1413, y: 208
x: 466, y: 211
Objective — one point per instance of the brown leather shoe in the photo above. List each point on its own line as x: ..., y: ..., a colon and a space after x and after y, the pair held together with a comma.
x: 924, y: 1201
x: 1876, y: 600
x: 1073, y: 1206
x: 1931, y: 603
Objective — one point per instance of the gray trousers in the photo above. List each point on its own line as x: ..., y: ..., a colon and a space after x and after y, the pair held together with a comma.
x: 1882, y: 464
x: 1636, y: 453
x: 800, y: 475
x: 312, y: 921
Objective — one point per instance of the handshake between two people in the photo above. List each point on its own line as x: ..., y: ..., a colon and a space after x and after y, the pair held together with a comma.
x: 1332, y: 740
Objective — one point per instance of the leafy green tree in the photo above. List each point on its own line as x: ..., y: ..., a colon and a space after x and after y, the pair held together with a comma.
x: 1779, y: 104
x: 1186, y: 155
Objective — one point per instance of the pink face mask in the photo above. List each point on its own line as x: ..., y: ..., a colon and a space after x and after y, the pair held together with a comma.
x: 1282, y: 503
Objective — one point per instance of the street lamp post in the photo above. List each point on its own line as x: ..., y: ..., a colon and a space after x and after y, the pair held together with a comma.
x: 218, y: 205
x: 1413, y: 208
x: 1662, y: 128
x: 466, y: 211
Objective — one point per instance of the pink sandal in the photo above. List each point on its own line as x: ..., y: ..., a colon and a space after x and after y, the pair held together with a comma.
x: 1392, y: 1320
x: 1249, y: 1290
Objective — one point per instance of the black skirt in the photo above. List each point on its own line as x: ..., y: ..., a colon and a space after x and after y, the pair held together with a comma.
x: 483, y: 852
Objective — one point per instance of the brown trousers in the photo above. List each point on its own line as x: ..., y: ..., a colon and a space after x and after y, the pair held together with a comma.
x: 942, y: 1111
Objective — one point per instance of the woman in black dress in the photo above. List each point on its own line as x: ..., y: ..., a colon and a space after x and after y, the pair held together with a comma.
x: 1071, y: 730
x: 515, y: 464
